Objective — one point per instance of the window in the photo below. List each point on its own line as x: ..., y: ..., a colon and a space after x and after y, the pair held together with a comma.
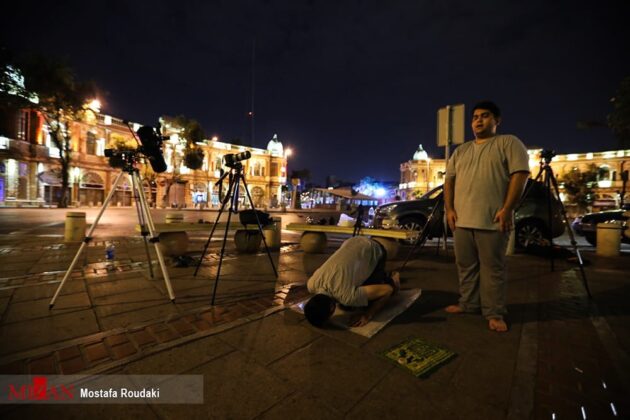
x: 256, y: 169
x: 22, y: 125
x: 274, y: 169
x: 90, y: 143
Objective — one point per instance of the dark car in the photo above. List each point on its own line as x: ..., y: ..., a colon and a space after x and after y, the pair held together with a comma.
x: 587, y: 225
x: 531, y: 219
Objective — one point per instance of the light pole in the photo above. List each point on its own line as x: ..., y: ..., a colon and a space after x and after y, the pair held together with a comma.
x: 287, y: 152
x: 428, y: 162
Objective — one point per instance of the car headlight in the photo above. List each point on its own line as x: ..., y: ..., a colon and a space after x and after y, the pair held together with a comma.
x: 386, y: 210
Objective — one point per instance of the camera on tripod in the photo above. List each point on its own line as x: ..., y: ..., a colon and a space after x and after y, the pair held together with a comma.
x: 233, y: 159
x: 121, y: 158
x: 150, y: 141
x: 547, y: 155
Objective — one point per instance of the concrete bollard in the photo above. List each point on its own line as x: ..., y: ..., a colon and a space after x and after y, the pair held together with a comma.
x: 273, y: 234
x: 247, y: 241
x: 313, y: 242
x: 608, y: 239
x: 75, y: 226
x: 174, y: 244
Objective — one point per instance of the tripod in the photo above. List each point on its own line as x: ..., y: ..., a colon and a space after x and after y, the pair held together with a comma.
x: 550, y: 182
x: 144, y: 219
x: 424, y: 234
x: 235, y: 177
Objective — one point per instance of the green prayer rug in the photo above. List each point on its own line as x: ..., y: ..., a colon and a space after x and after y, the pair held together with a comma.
x: 418, y: 356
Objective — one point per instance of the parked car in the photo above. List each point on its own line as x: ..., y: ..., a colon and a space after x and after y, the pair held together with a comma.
x: 531, y: 220
x: 587, y: 225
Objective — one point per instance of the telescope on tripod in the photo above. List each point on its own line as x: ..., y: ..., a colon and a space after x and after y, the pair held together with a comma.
x: 150, y: 148
x: 235, y: 177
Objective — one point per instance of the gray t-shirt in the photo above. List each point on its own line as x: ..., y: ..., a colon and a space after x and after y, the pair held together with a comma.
x: 482, y: 174
x: 342, y: 274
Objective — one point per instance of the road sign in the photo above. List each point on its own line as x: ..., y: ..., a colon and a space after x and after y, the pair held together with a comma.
x: 450, y: 125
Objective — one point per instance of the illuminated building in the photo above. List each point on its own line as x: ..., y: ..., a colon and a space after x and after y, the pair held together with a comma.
x: 30, y: 171
x: 422, y: 173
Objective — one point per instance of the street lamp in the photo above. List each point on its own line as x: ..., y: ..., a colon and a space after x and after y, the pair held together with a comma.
x: 288, y: 152
x: 428, y: 161
x: 94, y: 105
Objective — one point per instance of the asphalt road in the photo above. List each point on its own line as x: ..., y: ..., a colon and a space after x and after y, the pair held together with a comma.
x: 117, y: 221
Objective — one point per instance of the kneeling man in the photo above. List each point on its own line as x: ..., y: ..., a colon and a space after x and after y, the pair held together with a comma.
x: 353, y: 276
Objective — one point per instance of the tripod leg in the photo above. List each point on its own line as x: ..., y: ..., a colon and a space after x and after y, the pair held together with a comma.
x: 572, y: 236
x: 548, y: 177
x: 425, y: 232
x: 155, y: 240
x: 87, y: 239
x: 216, y: 281
x: 226, y: 199
x: 137, y: 190
x: 251, y: 203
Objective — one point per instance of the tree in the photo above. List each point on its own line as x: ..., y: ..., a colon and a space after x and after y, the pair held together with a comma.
x: 190, y: 133
x: 13, y: 94
x: 62, y: 100
x: 619, y: 118
x: 579, y: 187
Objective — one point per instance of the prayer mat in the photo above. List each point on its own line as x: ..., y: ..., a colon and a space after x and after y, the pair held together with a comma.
x: 418, y: 356
x: 394, y: 307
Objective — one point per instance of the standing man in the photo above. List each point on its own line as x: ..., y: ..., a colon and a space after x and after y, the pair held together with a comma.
x: 485, y: 179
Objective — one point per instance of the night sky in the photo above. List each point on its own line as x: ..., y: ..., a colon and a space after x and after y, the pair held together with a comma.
x: 352, y: 86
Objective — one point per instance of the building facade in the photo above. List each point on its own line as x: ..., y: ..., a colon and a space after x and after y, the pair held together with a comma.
x: 30, y: 170
x: 422, y: 173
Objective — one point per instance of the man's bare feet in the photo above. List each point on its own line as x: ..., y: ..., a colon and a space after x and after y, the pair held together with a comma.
x: 395, y: 276
x: 454, y: 309
x: 497, y: 325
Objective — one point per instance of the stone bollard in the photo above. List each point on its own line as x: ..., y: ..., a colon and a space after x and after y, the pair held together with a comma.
x: 75, y: 226
x: 247, y: 241
x: 313, y: 242
x: 608, y: 239
x: 174, y: 244
x: 272, y: 233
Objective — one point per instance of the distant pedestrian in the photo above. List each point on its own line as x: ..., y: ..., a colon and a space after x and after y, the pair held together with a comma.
x: 353, y: 276
x: 485, y: 179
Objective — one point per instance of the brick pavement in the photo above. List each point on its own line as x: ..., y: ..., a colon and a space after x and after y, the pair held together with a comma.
x: 564, y: 356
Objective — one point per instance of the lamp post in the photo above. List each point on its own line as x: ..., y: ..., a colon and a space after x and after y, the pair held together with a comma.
x: 288, y: 152
x: 428, y: 162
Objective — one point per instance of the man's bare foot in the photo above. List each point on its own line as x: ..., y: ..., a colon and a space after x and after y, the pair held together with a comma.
x: 454, y: 309
x: 497, y: 325
x: 395, y: 276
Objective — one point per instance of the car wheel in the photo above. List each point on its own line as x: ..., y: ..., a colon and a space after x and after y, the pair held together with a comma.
x: 411, y: 223
x: 530, y: 232
x: 591, y: 238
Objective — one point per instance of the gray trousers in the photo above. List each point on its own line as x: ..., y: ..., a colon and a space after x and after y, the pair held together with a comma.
x: 480, y: 257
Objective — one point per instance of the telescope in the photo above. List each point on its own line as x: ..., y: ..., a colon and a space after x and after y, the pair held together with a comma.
x: 234, y: 159
x: 151, y: 147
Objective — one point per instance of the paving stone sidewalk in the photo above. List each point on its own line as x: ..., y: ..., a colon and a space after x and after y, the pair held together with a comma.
x: 565, y: 356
